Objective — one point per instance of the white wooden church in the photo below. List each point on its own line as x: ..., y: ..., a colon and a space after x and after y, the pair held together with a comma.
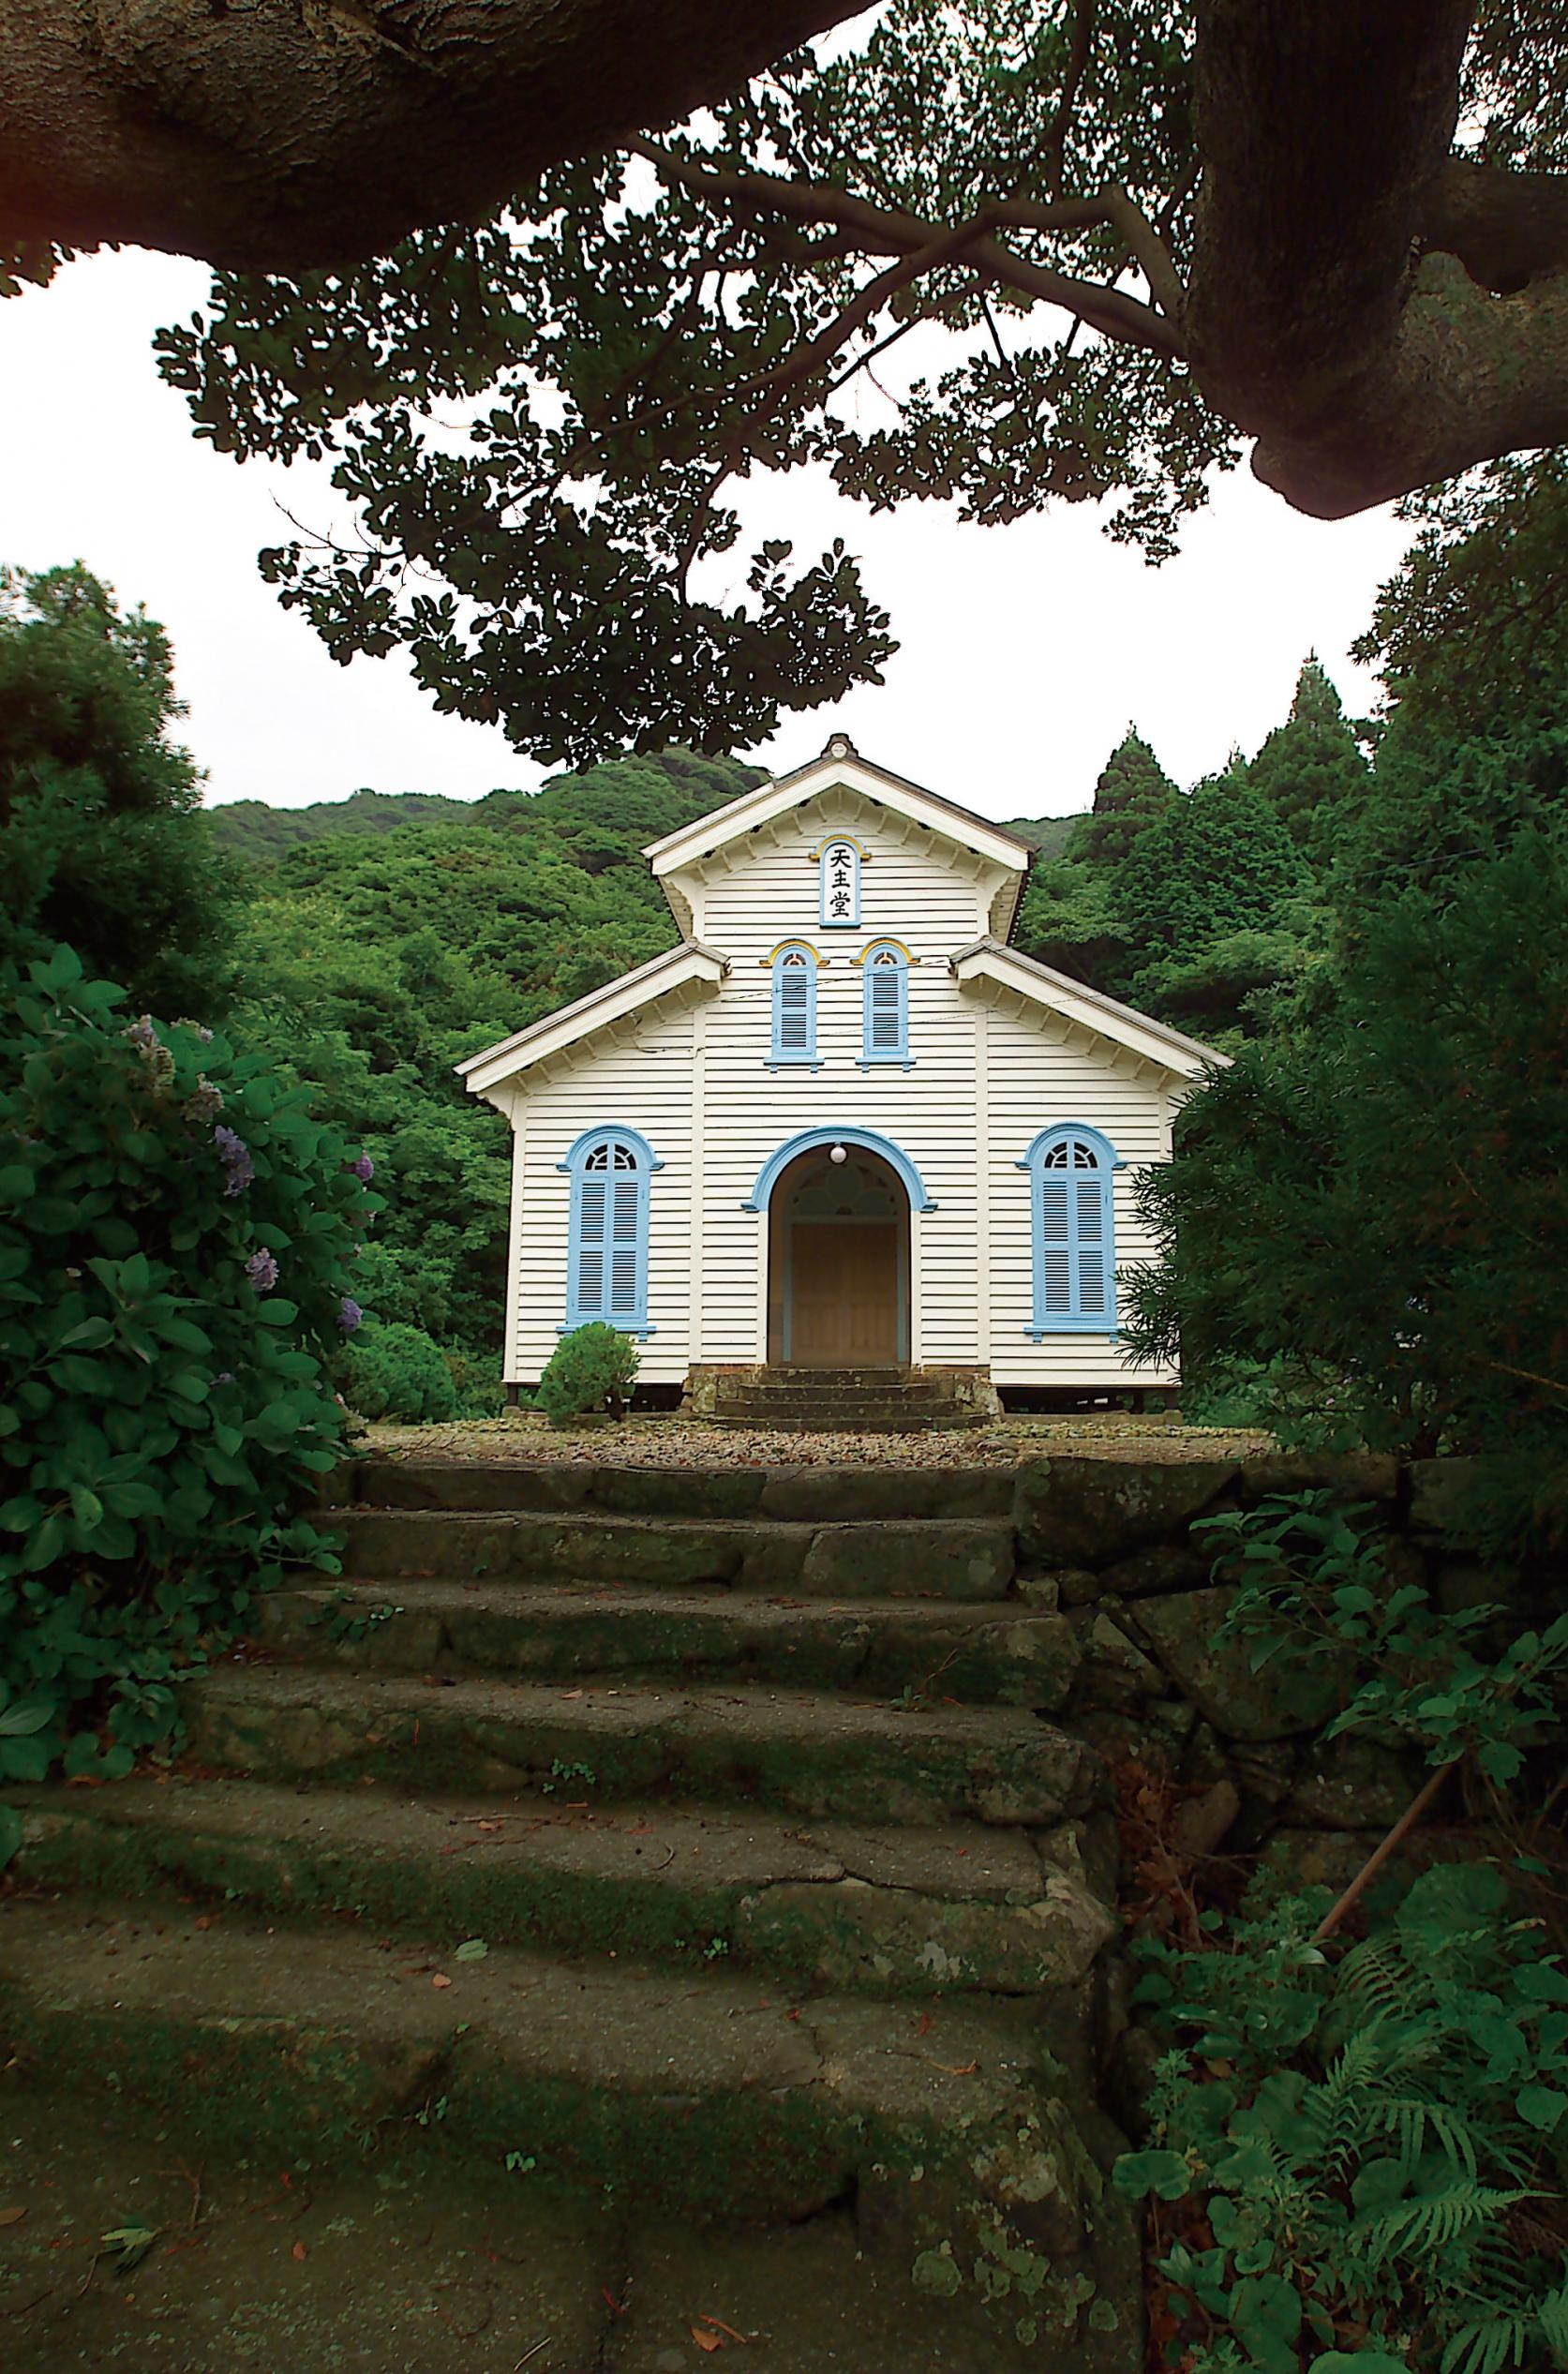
x: 843, y: 1125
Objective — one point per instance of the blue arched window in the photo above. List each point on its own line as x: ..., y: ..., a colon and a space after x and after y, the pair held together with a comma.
x: 606, y: 1254
x: 1070, y: 1170
x: 794, y: 1005
x: 884, y: 1005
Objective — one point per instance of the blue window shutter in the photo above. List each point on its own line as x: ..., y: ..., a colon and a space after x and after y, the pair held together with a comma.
x: 606, y: 1257
x: 1089, y: 1232
x: 588, y: 1298
x: 1074, y: 1254
x: 886, y: 996
x: 794, y: 1006
x: 625, y: 1248
x: 1055, y: 1263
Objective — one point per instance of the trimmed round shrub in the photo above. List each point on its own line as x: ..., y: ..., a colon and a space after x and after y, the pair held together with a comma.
x: 398, y: 1372
x: 592, y: 1367
x: 176, y: 1244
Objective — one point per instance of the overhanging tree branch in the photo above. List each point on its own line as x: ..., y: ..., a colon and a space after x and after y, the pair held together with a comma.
x: 880, y: 230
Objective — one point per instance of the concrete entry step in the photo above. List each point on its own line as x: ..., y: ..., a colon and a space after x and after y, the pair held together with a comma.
x: 698, y: 2090
x: 926, y: 1557
x: 821, y: 1756
x: 924, y: 1648
x: 948, y: 1909
x: 818, y: 1417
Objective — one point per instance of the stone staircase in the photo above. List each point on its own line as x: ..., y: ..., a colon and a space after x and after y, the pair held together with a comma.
x: 901, y: 1400
x: 704, y: 1834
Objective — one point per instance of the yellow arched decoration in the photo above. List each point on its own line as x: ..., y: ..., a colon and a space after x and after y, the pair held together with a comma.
x: 813, y: 856
x: 805, y: 949
x: 884, y: 941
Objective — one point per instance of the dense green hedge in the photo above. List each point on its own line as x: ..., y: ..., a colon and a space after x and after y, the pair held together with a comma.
x: 176, y: 1243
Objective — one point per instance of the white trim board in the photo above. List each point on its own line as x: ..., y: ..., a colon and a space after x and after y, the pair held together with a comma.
x: 680, y: 968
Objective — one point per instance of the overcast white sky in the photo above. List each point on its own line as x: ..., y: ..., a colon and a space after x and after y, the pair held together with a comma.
x: 1025, y: 650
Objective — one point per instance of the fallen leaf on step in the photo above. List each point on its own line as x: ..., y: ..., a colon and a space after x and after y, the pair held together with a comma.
x: 438, y: 1980
x: 13, y: 2217
x: 719, y: 2326
x: 708, y: 2341
x: 300, y: 2250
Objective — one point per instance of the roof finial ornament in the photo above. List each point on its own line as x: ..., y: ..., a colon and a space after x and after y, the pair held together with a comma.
x: 839, y: 746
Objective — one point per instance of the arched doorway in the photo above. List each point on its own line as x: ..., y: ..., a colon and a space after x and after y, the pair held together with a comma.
x: 838, y: 1261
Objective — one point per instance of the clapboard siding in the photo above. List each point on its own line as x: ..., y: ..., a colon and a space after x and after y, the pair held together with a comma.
x: 696, y: 1081
x: 642, y: 1082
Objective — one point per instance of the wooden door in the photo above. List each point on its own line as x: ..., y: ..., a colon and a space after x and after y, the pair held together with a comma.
x: 844, y: 1293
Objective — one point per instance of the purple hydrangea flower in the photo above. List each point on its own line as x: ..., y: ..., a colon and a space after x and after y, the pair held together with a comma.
x: 349, y: 1314
x: 224, y: 1376
x: 363, y: 1169
x: 261, y: 1270
x: 234, y: 1155
x: 142, y: 1034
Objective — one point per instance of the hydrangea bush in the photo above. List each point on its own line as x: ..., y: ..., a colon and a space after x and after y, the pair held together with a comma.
x: 176, y: 1243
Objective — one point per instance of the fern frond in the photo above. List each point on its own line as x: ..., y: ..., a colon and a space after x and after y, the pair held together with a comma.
x: 1485, y: 2344
x: 1552, y: 2317
x: 1413, y: 2119
x: 1432, y: 2221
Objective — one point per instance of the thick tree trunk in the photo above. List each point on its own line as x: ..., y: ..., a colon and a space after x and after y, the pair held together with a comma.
x: 1328, y: 312
x: 283, y: 134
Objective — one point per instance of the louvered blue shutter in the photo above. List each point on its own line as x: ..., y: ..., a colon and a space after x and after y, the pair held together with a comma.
x: 606, y: 1254
x: 795, y: 1014
x: 1074, y: 1252
x: 1089, y: 1191
x: 1055, y: 1244
x: 625, y: 1248
x: 588, y: 1298
x: 885, y: 1034
x: 794, y: 1006
x: 887, y: 1009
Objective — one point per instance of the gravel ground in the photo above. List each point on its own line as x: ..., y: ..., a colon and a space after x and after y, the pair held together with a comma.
x: 659, y: 1441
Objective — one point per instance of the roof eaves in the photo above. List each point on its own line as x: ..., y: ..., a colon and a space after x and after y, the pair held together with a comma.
x: 1079, y: 992
x: 582, y: 1008
x: 704, y: 827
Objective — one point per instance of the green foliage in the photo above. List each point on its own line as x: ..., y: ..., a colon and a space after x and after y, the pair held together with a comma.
x: 397, y: 1371
x: 1311, y: 770
x: 101, y: 840
x: 1198, y: 908
x: 1314, y: 1591
x: 1468, y: 633
x: 176, y: 1236
x: 616, y: 377
x: 1214, y: 863
x: 346, y: 1619
x: 1360, y: 2135
x: 1132, y: 791
x: 592, y: 1366
x: 1369, y: 1209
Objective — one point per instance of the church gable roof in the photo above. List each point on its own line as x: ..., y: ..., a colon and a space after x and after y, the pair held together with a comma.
x: 840, y: 765
x: 686, y: 967
x: 1042, y: 985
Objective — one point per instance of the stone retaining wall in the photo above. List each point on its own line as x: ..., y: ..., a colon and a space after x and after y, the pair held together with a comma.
x: 1110, y: 1543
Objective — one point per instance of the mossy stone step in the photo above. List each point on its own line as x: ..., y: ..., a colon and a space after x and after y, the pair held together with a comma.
x: 823, y: 1417
x: 818, y: 1755
x: 695, y: 2089
x: 812, y: 1495
x: 1010, y: 1655
x: 928, y: 1558
x: 951, y: 1908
